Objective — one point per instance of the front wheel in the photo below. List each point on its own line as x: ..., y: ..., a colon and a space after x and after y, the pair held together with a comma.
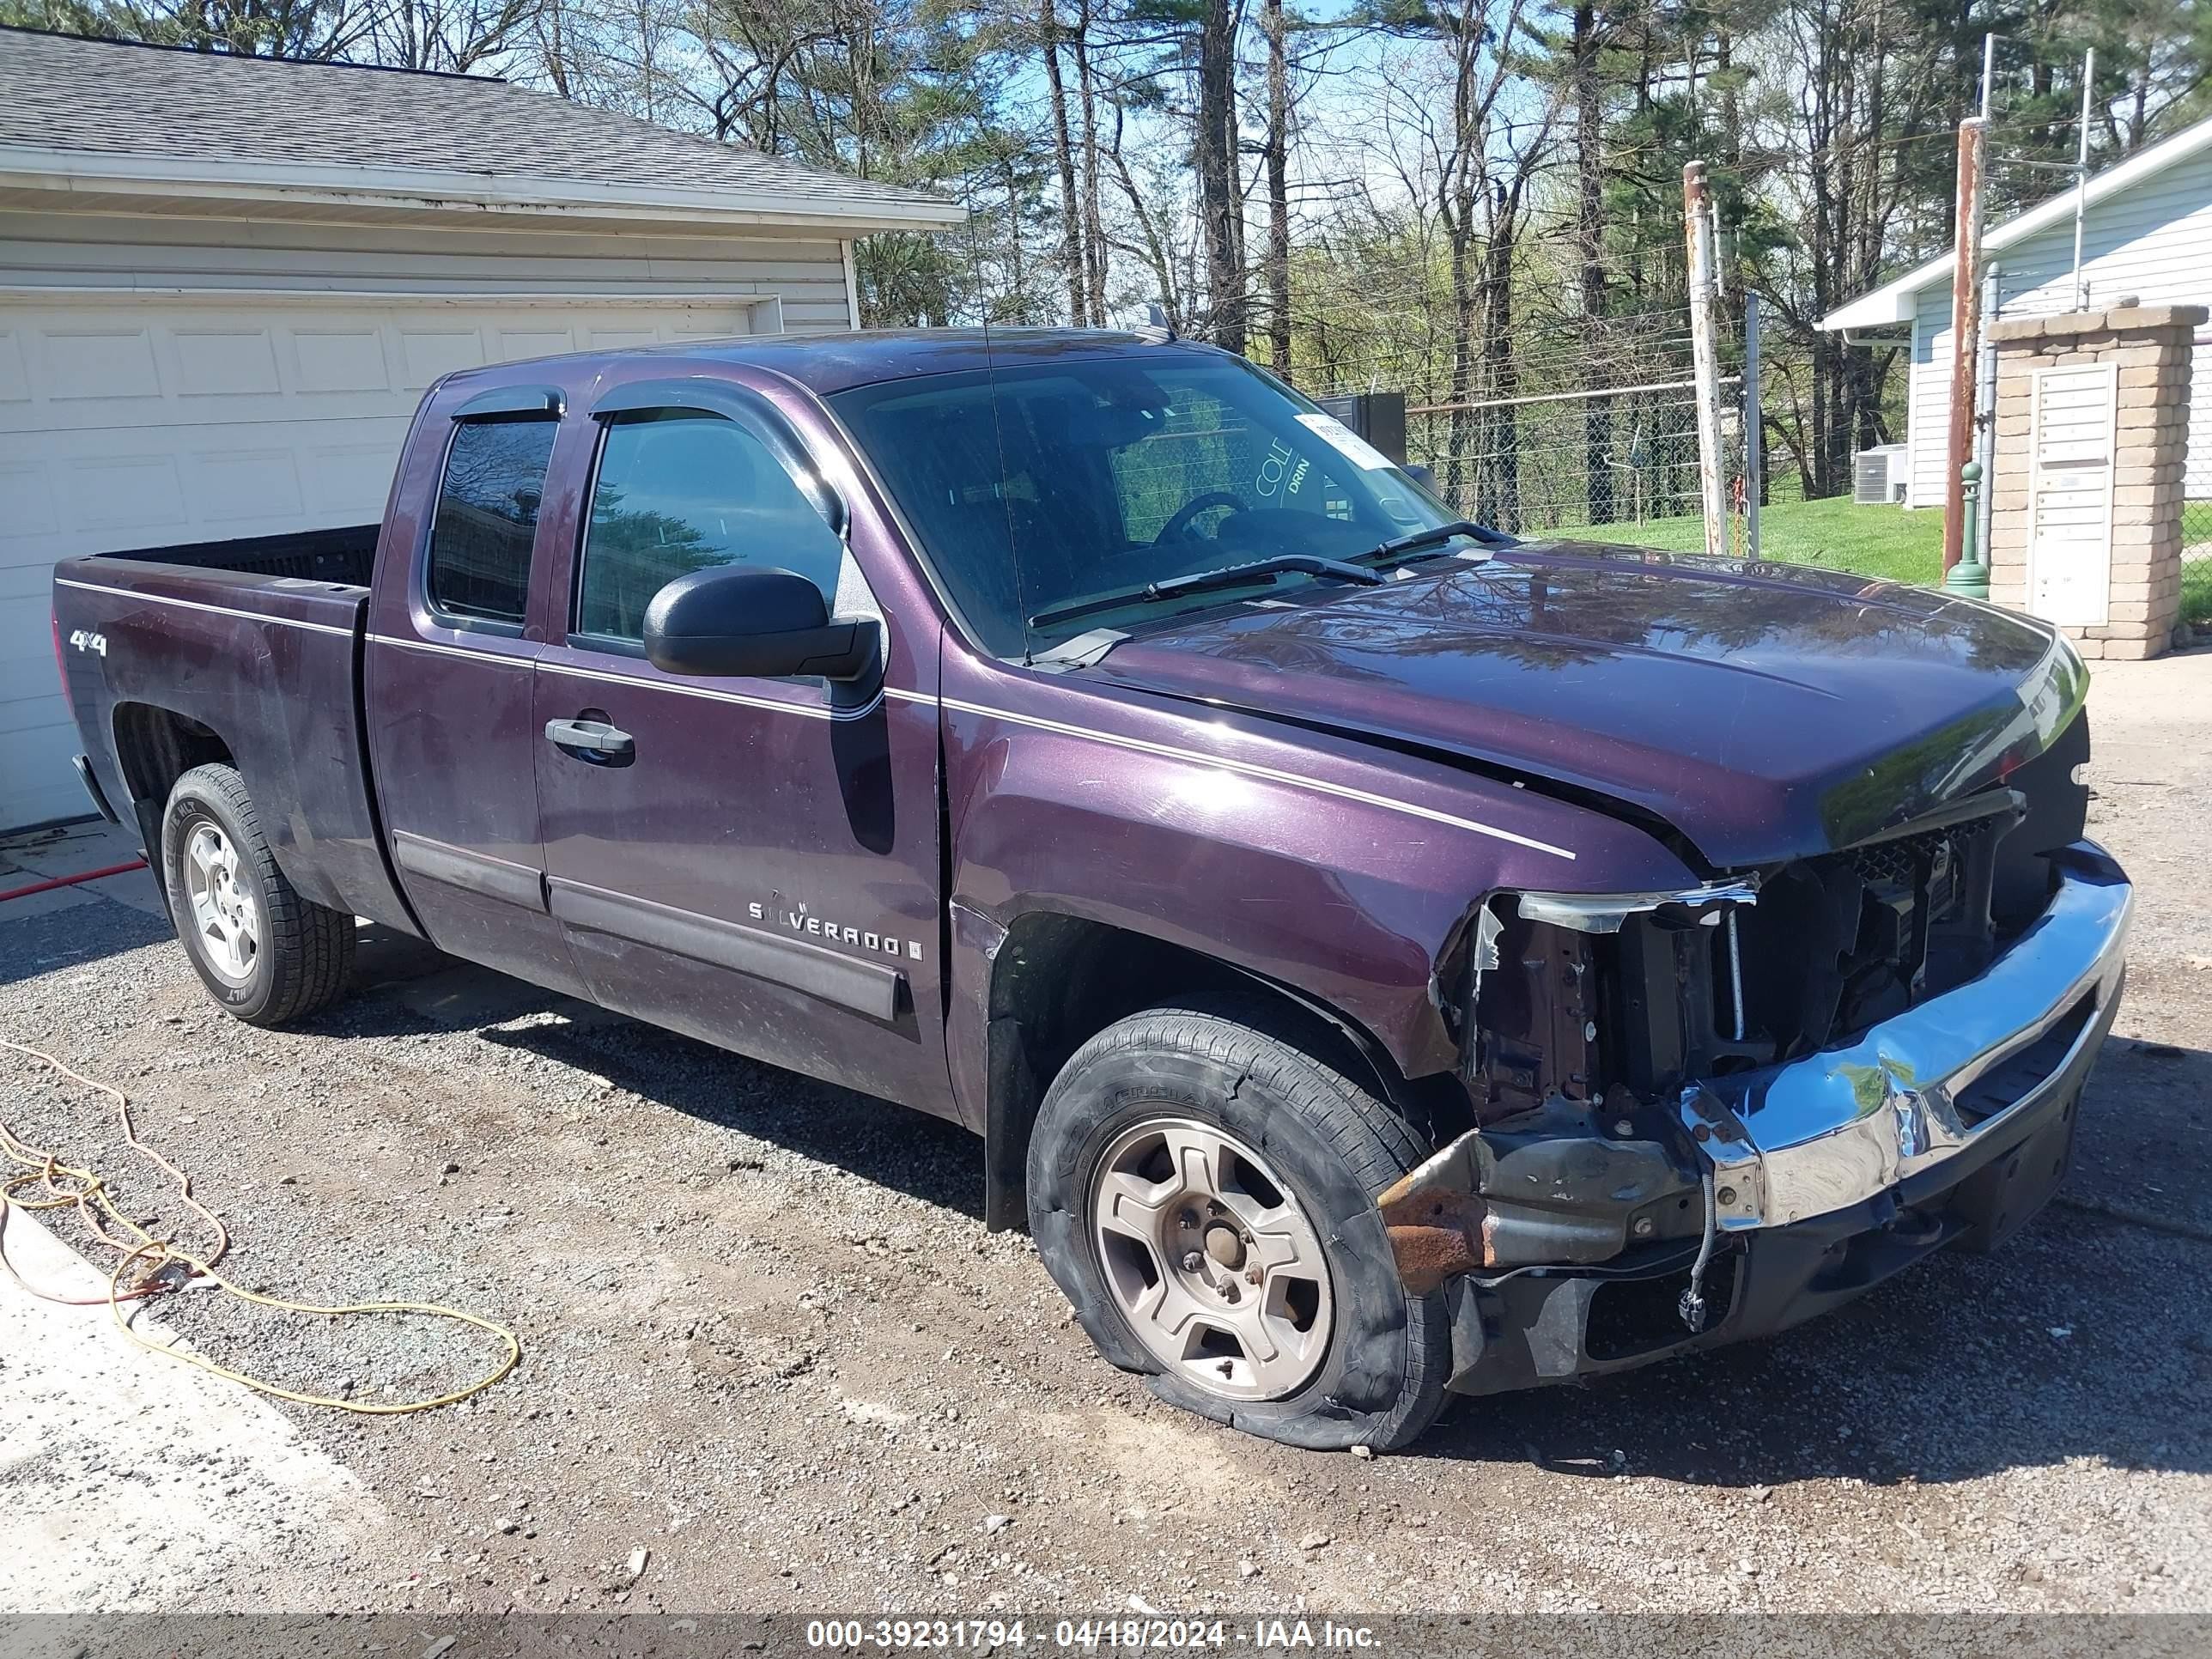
x: 1201, y: 1188
x: 266, y: 953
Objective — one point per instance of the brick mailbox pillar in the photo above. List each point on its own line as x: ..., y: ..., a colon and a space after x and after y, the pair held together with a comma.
x: 2091, y: 434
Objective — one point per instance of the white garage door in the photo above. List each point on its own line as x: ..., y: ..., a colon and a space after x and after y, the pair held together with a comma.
x: 138, y: 422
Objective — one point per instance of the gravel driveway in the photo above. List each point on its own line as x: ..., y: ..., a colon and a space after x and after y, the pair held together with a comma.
x: 769, y: 1344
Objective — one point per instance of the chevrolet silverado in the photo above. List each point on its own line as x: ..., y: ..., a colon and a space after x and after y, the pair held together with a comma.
x: 1382, y: 959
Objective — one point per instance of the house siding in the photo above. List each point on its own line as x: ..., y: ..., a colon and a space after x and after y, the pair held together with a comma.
x: 2153, y: 240
x: 1928, y: 417
x: 69, y: 250
x: 150, y: 394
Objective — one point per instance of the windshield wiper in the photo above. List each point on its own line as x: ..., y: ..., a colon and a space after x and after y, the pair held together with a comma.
x: 1201, y: 581
x: 1414, y: 540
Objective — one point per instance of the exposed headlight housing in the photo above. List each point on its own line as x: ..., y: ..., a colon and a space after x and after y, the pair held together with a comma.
x: 1603, y: 913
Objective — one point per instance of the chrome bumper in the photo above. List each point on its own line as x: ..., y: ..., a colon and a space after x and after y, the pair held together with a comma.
x: 1823, y: 1134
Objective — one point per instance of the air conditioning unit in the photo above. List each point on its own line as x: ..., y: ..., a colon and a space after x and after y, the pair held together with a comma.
x: 1878, y: 475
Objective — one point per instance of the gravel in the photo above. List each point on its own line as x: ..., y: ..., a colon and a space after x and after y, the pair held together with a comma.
x: 772, y: 1359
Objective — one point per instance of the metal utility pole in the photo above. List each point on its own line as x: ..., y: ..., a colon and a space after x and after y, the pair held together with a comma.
x: 2082, y: 175
x: 1966, y: 330
x: 1754, y: 471
x: 1704, y: 354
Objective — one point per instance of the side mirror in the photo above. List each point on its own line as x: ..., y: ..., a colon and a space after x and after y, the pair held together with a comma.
x: 748, y: 620
x: 1424, y: 476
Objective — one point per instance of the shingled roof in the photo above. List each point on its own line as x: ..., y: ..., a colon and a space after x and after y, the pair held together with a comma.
x: 332, y: 126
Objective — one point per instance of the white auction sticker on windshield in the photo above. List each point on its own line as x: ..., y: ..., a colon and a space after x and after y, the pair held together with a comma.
x: 1345, y: 441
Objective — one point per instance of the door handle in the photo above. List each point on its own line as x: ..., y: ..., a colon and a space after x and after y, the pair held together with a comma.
x: 592, y: 740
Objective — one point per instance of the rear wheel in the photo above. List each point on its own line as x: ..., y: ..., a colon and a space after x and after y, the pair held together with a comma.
x: 1201, y: 1187
x: 264, y: 952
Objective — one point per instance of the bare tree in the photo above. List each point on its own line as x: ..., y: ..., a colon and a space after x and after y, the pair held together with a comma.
x: 1278, y: 158
x: 453, y: 35
x: 1221, y: 178
x: 1586, y: 41
x: 1094, y: 228
x: 1073, y: 257
x: 1479, y: 166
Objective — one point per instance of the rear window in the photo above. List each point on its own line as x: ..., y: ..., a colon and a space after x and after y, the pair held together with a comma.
x: 479, y: 559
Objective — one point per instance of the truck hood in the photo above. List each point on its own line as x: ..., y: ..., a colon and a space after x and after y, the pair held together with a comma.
x: 1763, y: 712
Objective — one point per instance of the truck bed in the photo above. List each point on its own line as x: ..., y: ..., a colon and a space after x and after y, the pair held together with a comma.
x: 247, y: 651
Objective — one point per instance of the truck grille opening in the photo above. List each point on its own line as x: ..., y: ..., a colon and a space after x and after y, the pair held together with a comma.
x: 1838, y: 944
x: 1911, y: 857
x: 1835, y: 944
x: 2019, y: 1074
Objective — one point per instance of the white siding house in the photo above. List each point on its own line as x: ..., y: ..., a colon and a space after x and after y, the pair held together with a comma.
x: 225, y: 282
x: 2147, y: 232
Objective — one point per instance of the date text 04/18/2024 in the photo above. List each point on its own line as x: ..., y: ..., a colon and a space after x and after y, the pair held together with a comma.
x: 1086, y: 1635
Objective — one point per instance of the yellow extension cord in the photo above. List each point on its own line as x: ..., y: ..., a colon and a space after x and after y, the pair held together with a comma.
x: 87, y: 1194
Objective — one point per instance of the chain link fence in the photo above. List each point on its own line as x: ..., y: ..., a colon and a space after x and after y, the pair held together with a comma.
x: 1592, y: 435
x: 2197, y: 505
x: 1595, y: 457
x: 1610, y: 464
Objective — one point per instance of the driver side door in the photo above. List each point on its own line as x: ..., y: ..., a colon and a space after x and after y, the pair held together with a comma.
x: 750, y: 861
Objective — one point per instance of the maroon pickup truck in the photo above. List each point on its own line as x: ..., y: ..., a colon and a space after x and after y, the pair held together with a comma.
x: 1382, y: 959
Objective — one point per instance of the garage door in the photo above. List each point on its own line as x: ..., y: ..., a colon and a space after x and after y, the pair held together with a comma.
x: 128, y: 422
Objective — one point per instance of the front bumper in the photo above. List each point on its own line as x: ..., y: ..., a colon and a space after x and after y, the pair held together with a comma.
x: 1560, y: 1324
x: 1952, y: 1124
x: 1916, y: 1093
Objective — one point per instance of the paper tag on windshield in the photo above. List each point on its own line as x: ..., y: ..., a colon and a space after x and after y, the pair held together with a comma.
x: 1347, y: 442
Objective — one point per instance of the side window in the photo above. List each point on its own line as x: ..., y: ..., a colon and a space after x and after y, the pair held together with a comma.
x: 487, y: 516
x: 678, y: 491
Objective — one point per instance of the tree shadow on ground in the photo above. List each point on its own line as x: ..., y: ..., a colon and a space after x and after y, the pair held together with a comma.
x: 51, y: 940
x: 2085, y: 1337
x: 405, y: 988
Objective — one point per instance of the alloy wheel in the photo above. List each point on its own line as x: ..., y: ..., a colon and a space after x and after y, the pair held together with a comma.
x: 1211, y: 1259
x: 224, y: 915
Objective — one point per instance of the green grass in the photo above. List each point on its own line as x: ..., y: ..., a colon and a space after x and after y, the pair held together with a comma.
x: 1873, y: 541
x: 2197, y: 590
x: 1834, y: 534
x: 2197, y: 573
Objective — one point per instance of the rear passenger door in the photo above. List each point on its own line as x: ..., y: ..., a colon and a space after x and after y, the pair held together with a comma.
x: 754, y: 861
x: 452, y: 716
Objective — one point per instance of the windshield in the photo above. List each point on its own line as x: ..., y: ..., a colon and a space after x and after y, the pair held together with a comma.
x: 1099, y: 477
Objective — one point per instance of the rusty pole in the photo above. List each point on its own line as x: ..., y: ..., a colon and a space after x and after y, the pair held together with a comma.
x: 1754, y: 474
x: 1965, y: 333
x: 1705, y: 355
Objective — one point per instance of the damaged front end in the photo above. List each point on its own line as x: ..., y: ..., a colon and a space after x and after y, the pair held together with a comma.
x: 1704, y: 1113
x: 1573, y: 1181
x: 1565, y: 1167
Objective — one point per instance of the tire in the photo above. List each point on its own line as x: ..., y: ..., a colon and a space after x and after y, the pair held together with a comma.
x: 266, y: 954
x: 1290, y: 1121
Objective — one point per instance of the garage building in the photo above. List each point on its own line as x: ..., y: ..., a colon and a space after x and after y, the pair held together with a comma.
x: 225, y: 282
